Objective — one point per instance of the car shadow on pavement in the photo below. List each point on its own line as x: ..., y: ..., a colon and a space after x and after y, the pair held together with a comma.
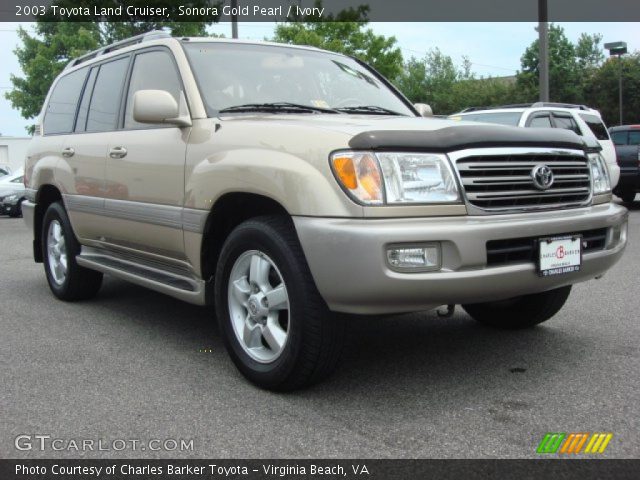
x: 395, y: 356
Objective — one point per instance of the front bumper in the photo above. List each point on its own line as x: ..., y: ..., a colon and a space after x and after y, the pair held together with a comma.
x: 347, y: 257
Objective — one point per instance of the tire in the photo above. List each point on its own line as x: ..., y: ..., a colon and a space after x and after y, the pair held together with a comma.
x: 18, y: 210
x: 627, y: 197
x: 313, y: 338
x: 520, y: 312
x: 72, y: 282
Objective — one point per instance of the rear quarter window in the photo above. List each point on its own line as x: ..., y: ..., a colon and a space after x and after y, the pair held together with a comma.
x: 61, y: 109
x: 595, y: 124
x: 619, y: 137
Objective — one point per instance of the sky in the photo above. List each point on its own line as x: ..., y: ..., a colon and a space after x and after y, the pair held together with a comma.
x: 493, y: 48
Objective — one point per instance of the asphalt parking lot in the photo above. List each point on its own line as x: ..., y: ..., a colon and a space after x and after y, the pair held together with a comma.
x: 134, y: 364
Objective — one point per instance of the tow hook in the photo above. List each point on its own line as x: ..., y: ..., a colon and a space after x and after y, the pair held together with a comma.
x: 442, y: 313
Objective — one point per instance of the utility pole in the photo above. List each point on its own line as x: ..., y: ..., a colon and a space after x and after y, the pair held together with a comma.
x: 619, y: 49
x: 234, y: 18
x: 543, y: 50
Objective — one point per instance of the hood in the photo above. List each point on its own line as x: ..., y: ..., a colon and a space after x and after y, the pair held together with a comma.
x: 378, y: 132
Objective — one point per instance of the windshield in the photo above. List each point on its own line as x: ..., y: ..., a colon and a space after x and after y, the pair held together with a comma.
x: 502, y: 118
x: 232, y: 75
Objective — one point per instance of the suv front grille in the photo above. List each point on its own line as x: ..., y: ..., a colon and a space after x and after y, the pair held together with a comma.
x: 518, y: 250
x: 505, y: 182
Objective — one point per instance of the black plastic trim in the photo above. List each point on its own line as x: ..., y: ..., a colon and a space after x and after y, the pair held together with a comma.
x: 464, y: 136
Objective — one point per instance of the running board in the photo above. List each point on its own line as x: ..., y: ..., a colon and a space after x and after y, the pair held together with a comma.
x: 179, y: 285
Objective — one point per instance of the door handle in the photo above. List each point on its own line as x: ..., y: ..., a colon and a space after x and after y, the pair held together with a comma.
x: 68, y: 152
x: 118, y: 152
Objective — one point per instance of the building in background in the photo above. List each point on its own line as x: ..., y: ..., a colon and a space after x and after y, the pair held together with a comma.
x: 13, y: 151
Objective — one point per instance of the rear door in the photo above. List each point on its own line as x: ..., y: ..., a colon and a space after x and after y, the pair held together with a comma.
x: 86, y: 150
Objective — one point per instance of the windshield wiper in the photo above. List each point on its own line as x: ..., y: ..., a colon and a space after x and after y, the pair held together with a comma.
x: 368, y: 109
x: 277, y: 107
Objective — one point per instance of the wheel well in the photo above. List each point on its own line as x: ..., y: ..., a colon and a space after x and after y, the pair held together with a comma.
x: 47, y: 194
x: 228, y: 212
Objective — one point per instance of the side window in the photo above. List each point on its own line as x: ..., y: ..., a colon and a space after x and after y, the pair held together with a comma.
x: 61, y: 110
x: 596, y: 126
x: 153, y: 70
x: 81, y: 121
x: 105, y: 100
x: 567, y: 122
x: 18, y: 180
x: 634, y: 137
x: 619, y: 137
x: 540, y: 121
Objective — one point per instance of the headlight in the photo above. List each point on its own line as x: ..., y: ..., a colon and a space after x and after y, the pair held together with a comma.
x: 395, y: 178
x: 599, y: 174
x: 10, y: 198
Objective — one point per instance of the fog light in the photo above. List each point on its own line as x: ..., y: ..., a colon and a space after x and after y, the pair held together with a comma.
x: 414, y: 258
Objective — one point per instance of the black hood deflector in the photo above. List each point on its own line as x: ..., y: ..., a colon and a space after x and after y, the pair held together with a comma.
x: 465, y: 136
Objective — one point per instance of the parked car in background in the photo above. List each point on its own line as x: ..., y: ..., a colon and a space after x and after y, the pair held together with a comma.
x: 580, y: 119
x: 626, y: 139
x: 12, y: 194
x: 4, y: 171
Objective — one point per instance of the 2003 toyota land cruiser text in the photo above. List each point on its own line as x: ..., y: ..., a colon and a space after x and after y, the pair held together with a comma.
x: 282, y: 183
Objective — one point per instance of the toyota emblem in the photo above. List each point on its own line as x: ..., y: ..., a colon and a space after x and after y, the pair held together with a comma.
x: 542, y: 177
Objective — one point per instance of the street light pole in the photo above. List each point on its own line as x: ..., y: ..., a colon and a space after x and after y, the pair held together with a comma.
x: 234, y: 18
x: 620, y: 87
x: 619, y: 49
x: 543, y: 50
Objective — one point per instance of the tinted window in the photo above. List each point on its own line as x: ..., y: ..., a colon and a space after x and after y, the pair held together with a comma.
x: 61, y: 110
x: 81, y: 121
x: 619, y: 137
x: 634, y: 138
x: 566, y: 122
x: 540, y: 121
x: 151, y: 71
x: 502, y: 118
x: 105, y: 100
x: 596, y: 126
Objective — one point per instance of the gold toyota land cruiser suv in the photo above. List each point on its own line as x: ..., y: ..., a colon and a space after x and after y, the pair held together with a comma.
x: 281, y: 184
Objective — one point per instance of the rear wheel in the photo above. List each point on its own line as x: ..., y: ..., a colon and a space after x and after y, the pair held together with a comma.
x: 276, y: 326
x: 520, y: 312
x: 17, y: 212
x: 627, y: 197
x: 67, y: 280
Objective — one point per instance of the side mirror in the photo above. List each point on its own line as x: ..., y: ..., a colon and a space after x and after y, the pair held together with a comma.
x: 423, y: 109
x: 159, y: 106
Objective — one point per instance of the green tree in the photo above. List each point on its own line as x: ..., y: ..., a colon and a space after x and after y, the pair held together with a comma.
x: 45, y: 51
x: 601, y: 91
x: 346, y: 33
x: 564, y: 84
x: 436, y: 80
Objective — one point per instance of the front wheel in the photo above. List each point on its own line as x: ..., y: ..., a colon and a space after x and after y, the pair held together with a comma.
x: 276, y: 327
x: 520, y: 312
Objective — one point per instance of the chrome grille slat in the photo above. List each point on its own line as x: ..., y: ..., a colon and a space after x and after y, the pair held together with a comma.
x: 502, y: 182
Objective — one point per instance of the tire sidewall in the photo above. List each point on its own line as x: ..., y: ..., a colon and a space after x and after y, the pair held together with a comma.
x: 56, y: 212
x: 254, y: 236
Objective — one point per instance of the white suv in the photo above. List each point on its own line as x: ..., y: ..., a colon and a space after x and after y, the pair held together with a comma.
x: 580, y: 119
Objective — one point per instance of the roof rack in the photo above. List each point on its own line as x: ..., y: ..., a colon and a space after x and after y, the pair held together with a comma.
x: 527, y: 105
x: 144, y: 37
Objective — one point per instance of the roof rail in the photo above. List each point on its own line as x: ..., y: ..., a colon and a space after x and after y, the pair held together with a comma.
x: 560, y: 105
x: 495, y: 107
x: 144, y: 37
x: 527, y: 105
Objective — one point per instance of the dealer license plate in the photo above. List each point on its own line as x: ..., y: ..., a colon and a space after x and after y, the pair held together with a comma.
x: 559, y: 255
